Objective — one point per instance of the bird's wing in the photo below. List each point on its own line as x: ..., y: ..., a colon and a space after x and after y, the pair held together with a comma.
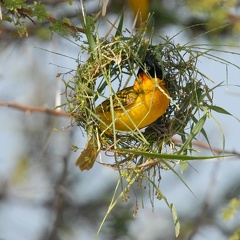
x: 121, y: 99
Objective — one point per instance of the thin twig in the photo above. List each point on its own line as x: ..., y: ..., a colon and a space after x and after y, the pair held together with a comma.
x: 215, y: 150
x: 30, y: 109
x: 58, y: 202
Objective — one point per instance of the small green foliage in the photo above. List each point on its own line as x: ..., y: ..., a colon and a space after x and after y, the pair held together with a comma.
x: 43, y: 33
x: 183, y: 165
x: 230, y: 212
x: 22, y: 31
x: 231, y: 209
x: 89, y: 27
x: 235, y: 235
x: 19, y: 11
x: 40, y: 12
x: 216, y: 12
x: 74, y: 148
x: 59, y: 27
x: 14, y: 4
x: 67, y: 21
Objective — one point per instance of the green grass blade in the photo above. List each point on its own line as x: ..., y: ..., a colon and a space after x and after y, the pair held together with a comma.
x: 175, y: 219
x: 88, y: 25
x: 119, y: 28
x: 195, y: 130
x: 161, y: 156
x: 222, y: 111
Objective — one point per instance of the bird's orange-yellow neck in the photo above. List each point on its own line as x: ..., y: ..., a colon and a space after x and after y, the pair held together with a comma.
x: 146, y: 84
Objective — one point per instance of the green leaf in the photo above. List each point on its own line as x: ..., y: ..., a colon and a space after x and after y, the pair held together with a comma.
x: 231, y: 210
x: 89, y: 34
x: 236, y: 234
x: 14, y: 4
x: 222, y: 111
x: 162, y: 156
x: 88, y: 26
x: 67, y: 21
x: 183, y: 166
x: 175, y: 219
x: 203, y: 132
x: 119, y: 28
x: 195, y: 130
x: 221, y: 130
x: 58, y: 26
x: 40, y: 12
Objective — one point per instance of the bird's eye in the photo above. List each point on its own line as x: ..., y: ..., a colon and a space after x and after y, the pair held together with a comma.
x: 148, y: 68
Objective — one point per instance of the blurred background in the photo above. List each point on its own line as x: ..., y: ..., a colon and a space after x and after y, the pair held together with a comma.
x: 44, y: 196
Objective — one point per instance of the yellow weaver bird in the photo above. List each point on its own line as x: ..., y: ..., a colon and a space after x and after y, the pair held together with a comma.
x: 133, y: 107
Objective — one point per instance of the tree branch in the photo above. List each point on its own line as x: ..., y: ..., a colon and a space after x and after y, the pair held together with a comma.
x: 29, y: 13
x: 30, y: 109
x: 215, y: 150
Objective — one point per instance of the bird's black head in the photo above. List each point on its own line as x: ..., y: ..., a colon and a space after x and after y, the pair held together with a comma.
x: 151, y: 66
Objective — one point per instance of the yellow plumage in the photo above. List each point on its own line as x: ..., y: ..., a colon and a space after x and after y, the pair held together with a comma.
x: 133, y: 108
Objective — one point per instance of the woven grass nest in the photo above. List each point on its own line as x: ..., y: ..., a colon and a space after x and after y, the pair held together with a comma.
x: 112, y: 67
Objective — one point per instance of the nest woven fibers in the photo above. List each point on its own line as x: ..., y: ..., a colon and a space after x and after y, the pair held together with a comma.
x: 110, y: 69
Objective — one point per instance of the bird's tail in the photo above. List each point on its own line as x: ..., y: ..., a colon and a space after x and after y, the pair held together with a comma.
x: 88, y: 156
